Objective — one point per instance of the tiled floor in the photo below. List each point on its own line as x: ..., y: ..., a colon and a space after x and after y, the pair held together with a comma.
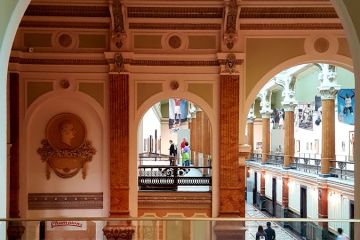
x: 252, y: 226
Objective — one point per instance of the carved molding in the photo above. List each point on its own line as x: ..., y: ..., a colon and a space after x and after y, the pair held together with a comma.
x: 174, y: 12
x: 119, y: 232
x: 290, y: 26
x: 176, y: 26
x: 42, y: 201
x: 288, y: 12
x: 47, y: 24
x: 67, y: 11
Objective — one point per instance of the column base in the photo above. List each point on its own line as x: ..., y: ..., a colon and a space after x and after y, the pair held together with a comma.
x: 119, y: 231
x: 15, y: 230
x: 230, y: 230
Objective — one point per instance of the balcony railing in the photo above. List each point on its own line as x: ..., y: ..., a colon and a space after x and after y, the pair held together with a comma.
x: 305, y: 163
x: 342, y: 169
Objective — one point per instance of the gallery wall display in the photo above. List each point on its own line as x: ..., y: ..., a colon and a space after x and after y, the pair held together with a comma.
x: 65, y: 148
x: 304, y: 116
x: 346, y: 106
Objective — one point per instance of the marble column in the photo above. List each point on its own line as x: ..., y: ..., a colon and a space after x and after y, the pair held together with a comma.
x: 119, y: 157
x: 289, y: 103
x: 265, y: 112
x: 250, y: 128
x: 328, y: 90
x: 323, y: 208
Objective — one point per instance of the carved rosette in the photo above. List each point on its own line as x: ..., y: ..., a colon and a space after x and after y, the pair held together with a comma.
x: 118, y: 232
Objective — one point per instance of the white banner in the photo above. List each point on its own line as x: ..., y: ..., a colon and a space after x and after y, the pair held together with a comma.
x: 66, y: 225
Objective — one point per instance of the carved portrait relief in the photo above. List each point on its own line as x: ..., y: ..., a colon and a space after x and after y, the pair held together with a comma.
x: 65, y: 149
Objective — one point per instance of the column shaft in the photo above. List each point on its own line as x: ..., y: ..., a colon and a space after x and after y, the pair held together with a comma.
x: 119, y: 144
x: 265, y: 139
x: 231, y: 187
x: 289, y: 138
x: 250, y: 132
x: 328, y: 135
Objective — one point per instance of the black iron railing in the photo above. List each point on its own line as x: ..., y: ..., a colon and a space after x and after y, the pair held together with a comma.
x: 342, y: 169
x: 309, y: 165
x: 165, y: 177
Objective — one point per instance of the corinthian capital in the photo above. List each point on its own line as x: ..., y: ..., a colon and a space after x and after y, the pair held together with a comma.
x: 265, y: 104
x: 328, y: 87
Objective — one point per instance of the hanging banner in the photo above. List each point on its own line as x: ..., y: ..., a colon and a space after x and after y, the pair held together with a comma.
x: 178, y: 111
x: 304, y: 116
x: 346, y: 106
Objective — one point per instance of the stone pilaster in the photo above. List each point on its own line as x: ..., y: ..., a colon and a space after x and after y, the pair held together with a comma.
x: 119, y: 156
x: 323, y: 208
x: 15, y: 229
x: 328, y: 90
x: 285, y: 191
x: 231, y: 194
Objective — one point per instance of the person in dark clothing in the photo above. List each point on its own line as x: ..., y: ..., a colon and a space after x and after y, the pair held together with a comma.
x: 270, y: 233
x: 260, y: 235
x: 172, y: 150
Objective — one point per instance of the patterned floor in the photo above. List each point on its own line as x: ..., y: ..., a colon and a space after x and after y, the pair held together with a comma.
x: 252, y: 226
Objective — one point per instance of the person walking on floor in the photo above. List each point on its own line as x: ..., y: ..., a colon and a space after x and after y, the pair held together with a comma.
x: 270, y: 233
x: 260, y: 235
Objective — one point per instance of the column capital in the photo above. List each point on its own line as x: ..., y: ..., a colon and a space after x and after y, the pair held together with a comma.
x: 118, y: 232
x: 328, y: 87
x: 251, y: 116
x: 265, y: 96
x: 289, y: 106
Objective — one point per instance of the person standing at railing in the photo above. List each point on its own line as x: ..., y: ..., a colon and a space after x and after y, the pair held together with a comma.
x: 186, y: 155
x: 172, y: 153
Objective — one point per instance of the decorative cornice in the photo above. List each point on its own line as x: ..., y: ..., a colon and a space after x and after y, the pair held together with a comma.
x: 41, y: 201
x: 47, y: 24
x: 288, y: 12
x: 176, y: 26
x: 67, y: 11
x: 170, y: 12
x: 290, y: 26
x: 133, y: 62
x: 58, y: 61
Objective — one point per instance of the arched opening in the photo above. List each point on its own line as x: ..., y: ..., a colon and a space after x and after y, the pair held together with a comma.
x: 302, y: 123
x: 174, y: 149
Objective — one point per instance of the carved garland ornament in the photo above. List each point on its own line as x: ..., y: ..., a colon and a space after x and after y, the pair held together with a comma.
x: 65, y: 149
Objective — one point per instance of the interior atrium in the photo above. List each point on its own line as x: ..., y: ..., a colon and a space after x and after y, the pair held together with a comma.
x: 179, y: 120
